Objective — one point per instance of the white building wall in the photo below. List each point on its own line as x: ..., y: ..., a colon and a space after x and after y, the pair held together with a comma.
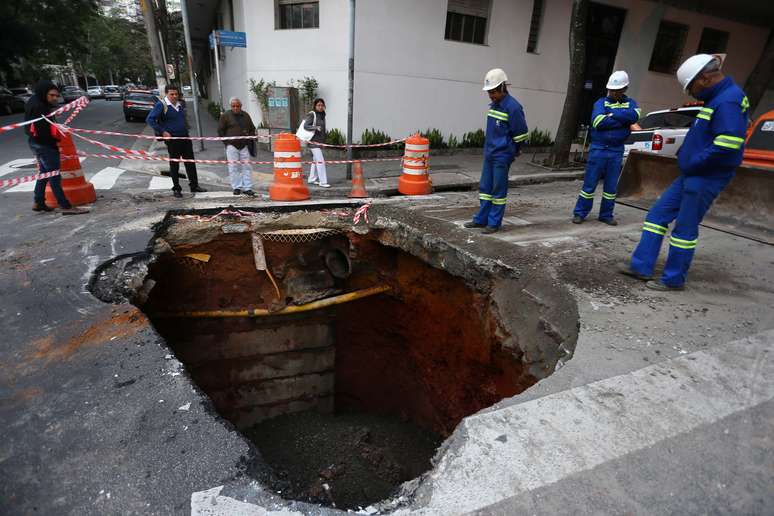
x: 654, y: 90
x: 408, y: 77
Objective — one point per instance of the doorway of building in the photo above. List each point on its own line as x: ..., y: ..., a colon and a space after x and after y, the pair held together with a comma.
x: 602, y: 35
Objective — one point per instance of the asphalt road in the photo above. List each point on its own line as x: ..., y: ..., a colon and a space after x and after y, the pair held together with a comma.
x: 99, y: 114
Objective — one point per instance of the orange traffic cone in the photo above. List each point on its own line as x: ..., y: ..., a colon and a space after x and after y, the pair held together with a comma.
x: 415, y: 179
x: 358, y: 182
x: 77, y: 190
x: 288, y: 178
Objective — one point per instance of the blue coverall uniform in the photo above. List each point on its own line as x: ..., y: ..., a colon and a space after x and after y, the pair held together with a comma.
x: 506, y: 129
x: 707, y: 159
x: 610, y: 121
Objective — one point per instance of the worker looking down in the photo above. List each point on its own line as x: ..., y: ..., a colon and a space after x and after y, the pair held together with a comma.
x: 611, y: 119
x: 710, y: 153
x: 506, y: 129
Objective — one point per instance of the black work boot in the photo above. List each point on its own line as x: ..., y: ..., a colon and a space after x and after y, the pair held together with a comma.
x: 472, y: 224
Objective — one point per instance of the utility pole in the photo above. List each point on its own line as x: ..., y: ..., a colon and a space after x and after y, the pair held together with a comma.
x: 351, y: 93
x: 189, y: 55
x: 159, y: 67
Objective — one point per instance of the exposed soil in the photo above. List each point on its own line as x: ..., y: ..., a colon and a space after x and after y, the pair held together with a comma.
x: 347, y: 461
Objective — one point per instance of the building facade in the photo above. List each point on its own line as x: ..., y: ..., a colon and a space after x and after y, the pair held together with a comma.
x: 420, y: 64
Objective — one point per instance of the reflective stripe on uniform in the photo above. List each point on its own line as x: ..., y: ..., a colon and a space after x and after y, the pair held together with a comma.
x: 616, y: 105
x: 608, y: 196
x: 499, y: 201
x: 639, y: 112
x: 521, y: 137
x: 597, y: 120
x: 484, y: 197
x: 682, y: 244
x: 705, y: 113
x: 745, y: 104
x: 499, y: 115
x: 586, y: 195
x: 654, y: 228
x: 730, y: 142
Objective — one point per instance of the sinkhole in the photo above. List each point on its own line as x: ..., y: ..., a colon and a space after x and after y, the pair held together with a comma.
x: 345, y: 357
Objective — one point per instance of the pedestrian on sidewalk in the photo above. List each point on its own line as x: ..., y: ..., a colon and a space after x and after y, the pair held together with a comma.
x: 236, y: 122
x: 43, y: 140
x: 168, y: 118
x: 708, y: 158
x: 315, y: 121
x: 506, y: 129
x: 611, y: 121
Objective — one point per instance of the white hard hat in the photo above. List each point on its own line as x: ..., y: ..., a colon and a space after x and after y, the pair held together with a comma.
x: 618, y: 80
x: 494, y: 78
x: 692, y: 66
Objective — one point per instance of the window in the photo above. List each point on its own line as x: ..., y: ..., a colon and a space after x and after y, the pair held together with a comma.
x: 466, y: 21
x: 668, y: 50
x: 534, y: 26
x: 297, y: 14
x: 712, y: 41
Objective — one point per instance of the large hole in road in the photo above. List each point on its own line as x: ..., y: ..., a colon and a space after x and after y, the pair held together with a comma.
x: 345, y: 361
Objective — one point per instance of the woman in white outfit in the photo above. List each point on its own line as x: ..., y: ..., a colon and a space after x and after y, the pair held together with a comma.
x: 315, y: 121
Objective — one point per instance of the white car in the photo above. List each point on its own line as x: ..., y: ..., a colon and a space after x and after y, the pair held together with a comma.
x: 95, y: 92
x: 663, y: 131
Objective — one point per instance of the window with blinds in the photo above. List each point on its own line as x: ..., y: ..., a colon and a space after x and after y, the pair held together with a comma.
x: 466, y: 21
x: 297, y: 14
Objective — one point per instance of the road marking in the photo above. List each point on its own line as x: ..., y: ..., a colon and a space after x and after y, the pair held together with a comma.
x: 106, y: 178
x: 215, y: 195
x: 20, y: 166
x: 545, y: 242
x: 516, y: 221
x: 30, y: 185
x: 160, y: 183
x: 527, y: 446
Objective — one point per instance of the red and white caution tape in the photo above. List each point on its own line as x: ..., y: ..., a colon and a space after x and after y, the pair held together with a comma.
x: 265, y: 138
x: 361, y: 212
x: 26, y: 179
x: 81, y: 101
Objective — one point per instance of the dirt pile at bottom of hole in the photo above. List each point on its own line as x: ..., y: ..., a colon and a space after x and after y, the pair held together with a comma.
x: 347, y: 460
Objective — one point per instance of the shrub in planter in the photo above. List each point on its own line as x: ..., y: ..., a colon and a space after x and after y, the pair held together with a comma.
x: 453, y: 142
x: 473, y: 139
x: 372, y: 137
x: 213, y: 109
x: 538, y: 138
x: 436, y: 138
x: 335, y: 137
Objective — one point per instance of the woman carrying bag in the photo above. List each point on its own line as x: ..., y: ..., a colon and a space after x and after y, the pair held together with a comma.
x: 315, y: 122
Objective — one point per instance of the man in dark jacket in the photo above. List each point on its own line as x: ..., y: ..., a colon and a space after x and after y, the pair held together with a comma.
x: 237, y: 122
x: 167, y: 118
x: 43, y: 140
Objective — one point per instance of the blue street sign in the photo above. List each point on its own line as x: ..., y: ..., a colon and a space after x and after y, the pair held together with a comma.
x: 227, y: 38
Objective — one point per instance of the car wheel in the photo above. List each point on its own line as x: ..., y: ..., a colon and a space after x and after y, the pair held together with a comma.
x: 7, y: 109
x: 128, y: 118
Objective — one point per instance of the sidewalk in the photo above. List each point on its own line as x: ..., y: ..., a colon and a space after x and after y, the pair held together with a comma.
x: 448, y: 172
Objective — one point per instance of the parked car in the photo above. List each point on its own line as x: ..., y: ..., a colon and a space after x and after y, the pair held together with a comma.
x: 22, y: 93
x: 137, y: 104
x: 663, y: 131
x: 113, y: 93
x: 759, y: 145
x: 95, y: 92
x: 10, y: 103
x: 70, y: 93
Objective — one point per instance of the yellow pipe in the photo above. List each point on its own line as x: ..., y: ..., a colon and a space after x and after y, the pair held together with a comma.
x: 262, y: 312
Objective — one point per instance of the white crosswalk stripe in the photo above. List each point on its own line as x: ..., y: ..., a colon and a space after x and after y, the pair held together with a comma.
x: 24, y: 187
x: 106, y: 178
x: 160, y: 183
x: 20, y: 166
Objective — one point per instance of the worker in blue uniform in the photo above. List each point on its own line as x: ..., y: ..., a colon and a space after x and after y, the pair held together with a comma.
x: 707, y: 160
x: 610, y: 121
x: 506, y: 130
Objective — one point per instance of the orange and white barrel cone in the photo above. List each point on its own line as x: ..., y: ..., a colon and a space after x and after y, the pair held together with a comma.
x: 358, y: 182
x: 415, y: 178
x: 77, y: 190
x: 288, y: 182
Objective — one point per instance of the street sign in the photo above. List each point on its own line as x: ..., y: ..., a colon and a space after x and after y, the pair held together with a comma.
x: 170, y: 71
x: 227, y: 38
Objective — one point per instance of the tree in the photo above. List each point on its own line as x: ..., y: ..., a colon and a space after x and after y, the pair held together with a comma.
x: 33, y: 33
x: 568, y: 125
x: 118, y: 49
x: 762, y: 76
